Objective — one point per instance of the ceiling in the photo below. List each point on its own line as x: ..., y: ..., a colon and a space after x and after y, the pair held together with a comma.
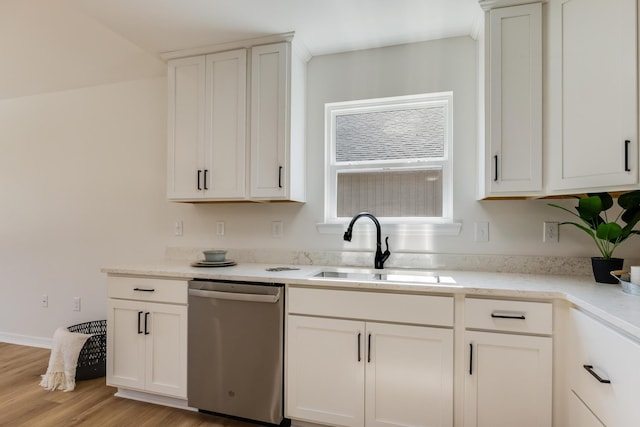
x: 323, y: 26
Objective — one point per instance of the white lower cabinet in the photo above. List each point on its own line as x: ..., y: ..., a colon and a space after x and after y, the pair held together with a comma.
x: 325, y: 378
x: 146, y: 340
x: 603, y: 373
x: 508, y: 376
x: 352, y: 372
x: 509, y: 380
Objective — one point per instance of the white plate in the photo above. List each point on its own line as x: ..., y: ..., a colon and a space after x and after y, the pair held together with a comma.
x: 203, y: 263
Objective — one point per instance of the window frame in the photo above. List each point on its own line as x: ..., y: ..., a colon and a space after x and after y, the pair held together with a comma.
x: 332, y: 167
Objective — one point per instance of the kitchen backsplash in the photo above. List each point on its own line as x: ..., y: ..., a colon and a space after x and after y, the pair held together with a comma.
x: 485, y: 263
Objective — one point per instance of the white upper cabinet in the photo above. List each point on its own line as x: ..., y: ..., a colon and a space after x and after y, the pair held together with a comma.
x: 277, y: 123
x: 207, y: 127
x: 591, y: 95
x: 225, y: 124
x: 221, y: 150
x: 513, y: 113
x: 186, y: 91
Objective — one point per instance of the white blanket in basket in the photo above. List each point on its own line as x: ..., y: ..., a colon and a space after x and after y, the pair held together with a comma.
x: 61, y: 373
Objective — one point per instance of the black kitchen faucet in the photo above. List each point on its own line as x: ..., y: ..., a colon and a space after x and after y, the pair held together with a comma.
x: 380, y: 256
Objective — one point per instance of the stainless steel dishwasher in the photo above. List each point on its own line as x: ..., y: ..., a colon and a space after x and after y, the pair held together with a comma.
x: 235, y: 349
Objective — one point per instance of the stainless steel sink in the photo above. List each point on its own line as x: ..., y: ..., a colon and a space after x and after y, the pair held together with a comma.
x: 399, y: 276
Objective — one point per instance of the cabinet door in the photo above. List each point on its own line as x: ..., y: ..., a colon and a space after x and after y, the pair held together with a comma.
x: 270, y: 120
x: 185, y: 168
x: 409, y: 376
x: 513, y: 160
x: 125, y: 344
x: 508, y: 380
x: 592, y: 94
x: 166, y: 349
x: 225, y: 125
x: 325, y: 370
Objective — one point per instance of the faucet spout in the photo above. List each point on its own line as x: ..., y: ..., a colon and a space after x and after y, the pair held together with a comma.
x: 380, y: 256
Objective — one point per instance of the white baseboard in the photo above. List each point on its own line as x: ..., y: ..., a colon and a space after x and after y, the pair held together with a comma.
x: 26, y: 340
x: 153, y: 398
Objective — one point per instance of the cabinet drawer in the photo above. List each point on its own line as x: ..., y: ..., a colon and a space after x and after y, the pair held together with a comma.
x: 403, y: 308
x: 509, y: 316
x: 143, y: 289
x: 613, y: 358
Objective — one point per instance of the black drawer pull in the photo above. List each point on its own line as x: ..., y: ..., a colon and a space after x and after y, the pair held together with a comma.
x: 508, y: 316
x: 590, y: 369
x: 369, y: 350
x: 470, y: 358
x: 139, y: 330
x: 359, y: 355
x: 144, y: 290
x: 626, y: 156
x: 146, y: 320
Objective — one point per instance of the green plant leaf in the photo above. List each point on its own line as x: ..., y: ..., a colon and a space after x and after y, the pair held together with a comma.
x: 631, y: 216
x: 629, y: 200
x: 589, y: 209
x: 605, y: 198
x: 581, y: 227
x: 609, y: 231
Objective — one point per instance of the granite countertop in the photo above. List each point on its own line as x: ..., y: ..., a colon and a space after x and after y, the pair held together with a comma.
x: 605, y: 301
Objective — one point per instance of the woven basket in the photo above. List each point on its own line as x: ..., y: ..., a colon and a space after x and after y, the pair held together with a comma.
x: 92, y: 361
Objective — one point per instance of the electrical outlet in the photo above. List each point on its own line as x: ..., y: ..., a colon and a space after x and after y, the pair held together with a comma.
x: 44, y: 300
x: 220, y: 228
x: 76, y: 303
x: 551, y: 230
x: 482, y: 231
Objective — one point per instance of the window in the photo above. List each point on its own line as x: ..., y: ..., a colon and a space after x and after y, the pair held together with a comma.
x: 390, y: 157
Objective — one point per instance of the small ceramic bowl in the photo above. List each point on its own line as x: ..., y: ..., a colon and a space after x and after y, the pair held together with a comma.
x: 214, y: 255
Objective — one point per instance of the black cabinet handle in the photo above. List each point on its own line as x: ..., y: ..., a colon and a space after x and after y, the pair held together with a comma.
x: 279, y: 176
x: 626, y: 155
x: 497, y: 315
x: 139, y: 330
x: 589, y: 369
x: 495, y: 167
x: 144, y: 290
x: 199, y: 173
x: 206, y: 172
x: 146, y: 319
x: 359, y: 354
x: 470, y: 358
x: 369, y: 350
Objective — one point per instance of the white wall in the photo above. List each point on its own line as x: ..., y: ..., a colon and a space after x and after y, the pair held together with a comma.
x: 81, y: 176
x: 82, y: 184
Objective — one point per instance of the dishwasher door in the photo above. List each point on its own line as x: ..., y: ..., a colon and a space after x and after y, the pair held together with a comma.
x: 235, y: 349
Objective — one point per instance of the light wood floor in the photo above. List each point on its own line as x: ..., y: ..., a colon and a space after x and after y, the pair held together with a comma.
x: 24, y: 403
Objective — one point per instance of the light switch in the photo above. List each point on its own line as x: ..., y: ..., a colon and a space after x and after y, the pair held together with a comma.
x: 220, y: 228
x: 276, y: 229
x: 178, y: 228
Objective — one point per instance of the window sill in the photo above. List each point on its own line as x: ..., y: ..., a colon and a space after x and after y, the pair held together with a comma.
x: 395, y: 229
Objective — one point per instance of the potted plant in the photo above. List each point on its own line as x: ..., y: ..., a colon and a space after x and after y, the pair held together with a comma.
x: 607, y: 234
